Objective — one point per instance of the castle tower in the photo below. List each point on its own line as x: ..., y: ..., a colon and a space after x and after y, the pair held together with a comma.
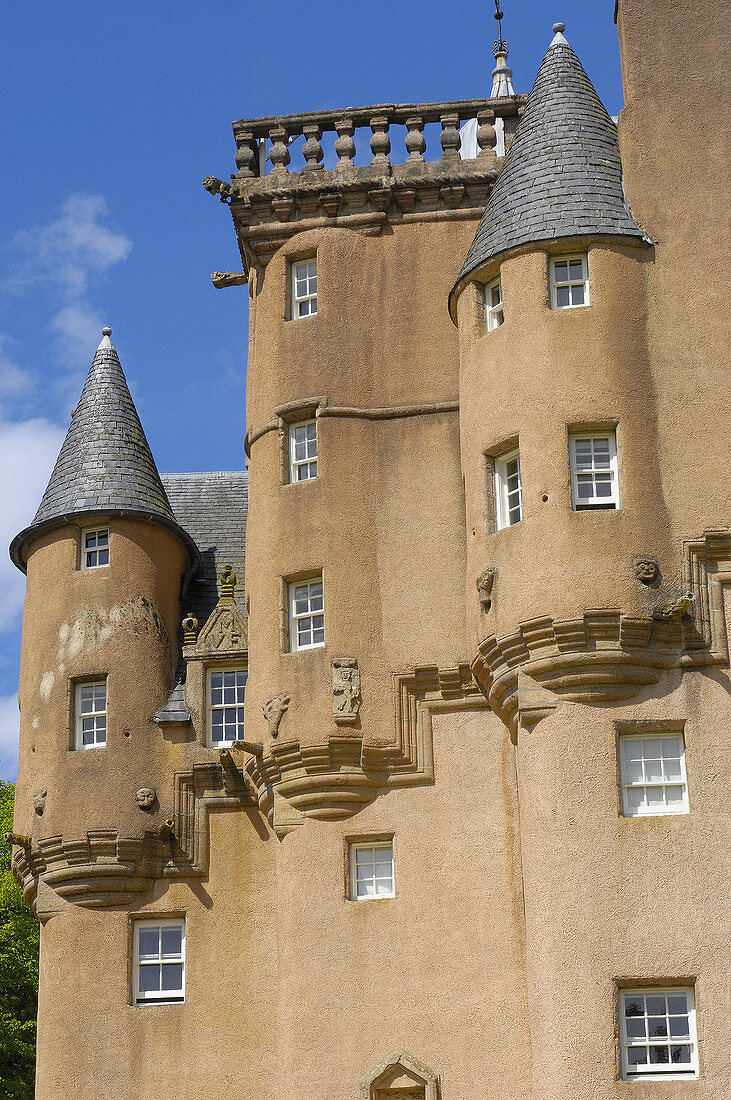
x: 459, y: 831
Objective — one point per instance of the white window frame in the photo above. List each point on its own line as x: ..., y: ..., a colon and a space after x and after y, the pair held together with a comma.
x: 162, y: 996
x: 607, y: 503
x: 371, y: 846
x: 652, y: 1072
x: 495, y: 313
x: 311, y: 613
x: 96, y: 551
x: 301, y: 469
x: 304, y: 304
x: 92, y: 715
x: 628, y: 784
x: 502, y: 491
x: 223, y: 706
x: 570, y: 282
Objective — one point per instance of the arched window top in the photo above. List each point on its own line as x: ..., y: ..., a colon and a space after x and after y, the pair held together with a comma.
x: 400, y: 1077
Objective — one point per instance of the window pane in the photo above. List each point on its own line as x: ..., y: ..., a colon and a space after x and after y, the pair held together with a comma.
x: 172, y: 938
x: 149, y: 979
x: 657, y: 1027
x: 680, y: 1055
x: 637, y: 1056
x: 149, y: 942
x: 560, y: 269
x: 634, y: 1006
x: 677, y: 1003
x: 659, y: 1055
x: 577, y: 295
x: 679, y: 1027
x: 655, y: 1005
x: 172, y: 976
x: 635, y: 1028
x: 576, y: 269
x: 562, y: 296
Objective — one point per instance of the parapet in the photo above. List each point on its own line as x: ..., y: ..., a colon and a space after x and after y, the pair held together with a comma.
x: 284, y: 186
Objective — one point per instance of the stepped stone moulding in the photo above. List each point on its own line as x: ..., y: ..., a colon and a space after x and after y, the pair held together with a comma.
x: 346, y: 690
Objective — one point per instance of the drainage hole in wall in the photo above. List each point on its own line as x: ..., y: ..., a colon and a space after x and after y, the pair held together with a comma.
x: 544, y: 498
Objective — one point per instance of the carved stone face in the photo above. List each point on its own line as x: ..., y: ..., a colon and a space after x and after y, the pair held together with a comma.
x: 145, y: 797
x: 647, y: 570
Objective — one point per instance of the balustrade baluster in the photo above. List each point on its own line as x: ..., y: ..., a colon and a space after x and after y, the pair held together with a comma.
x: 312, y: 150
x: 345, y: 146
x: 415, y: 141
x: 380, y: 142
x: 279, y: 153
x: 449, y: 137
x: 247, y: 155
x: 486, y: 134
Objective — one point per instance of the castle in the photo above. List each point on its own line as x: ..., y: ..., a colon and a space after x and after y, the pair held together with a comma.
x: 459, y: 829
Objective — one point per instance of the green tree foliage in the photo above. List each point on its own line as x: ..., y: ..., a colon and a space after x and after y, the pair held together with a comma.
x: 19, y: 936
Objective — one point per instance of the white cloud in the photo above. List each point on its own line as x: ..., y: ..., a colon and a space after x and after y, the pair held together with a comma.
x: 9, y: 731
x: 28, y: 450
x: 78, y: 329
x: 15, y: 382
x: 66, y: 252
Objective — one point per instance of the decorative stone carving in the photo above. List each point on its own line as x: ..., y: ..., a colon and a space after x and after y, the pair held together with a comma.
x: 274, y: 710
x: 39, y: 801
x: 647, y: 570
x: 218, y: 187
x: 485, y: 583
x: 674, y: 612
x: 190, y: 629
x: 228, y: 580
x: 222, y: 279
x: 166, y: 831
x: 145, y: 798
x: 18, y: 839
x: 400, y: 1075
x: 346, y: 690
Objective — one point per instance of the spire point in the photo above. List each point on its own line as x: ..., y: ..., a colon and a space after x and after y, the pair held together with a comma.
x: 106, y: 343
x: 502, y: 76
x: 559, y: 40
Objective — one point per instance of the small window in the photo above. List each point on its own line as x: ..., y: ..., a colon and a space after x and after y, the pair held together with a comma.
x: 306, y: 614
x: 594, y: 470
x: 654, y: 779
x: 508, y: 489
x: 658, y: 1034
x: 303, y: 450
x: 226, y: 706
x: 95, y: 548
x: 304, y: 288
x: 569, y: 282
x: 159, y: 961
x: 91, y: 715
x: 494, y: 305
x: 371, y: 871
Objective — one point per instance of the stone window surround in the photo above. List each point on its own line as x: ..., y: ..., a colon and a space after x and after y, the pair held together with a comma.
x: 294, y: 462
x: 133, y: 919
x: 284, y: 608
x: 649, y: 727
x: 350, y: 843
x: 291, y: 413
x: 675, y: 984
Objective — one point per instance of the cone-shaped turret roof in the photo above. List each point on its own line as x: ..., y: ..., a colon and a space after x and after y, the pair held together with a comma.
x: 105, y: 466
x: 562, y: 175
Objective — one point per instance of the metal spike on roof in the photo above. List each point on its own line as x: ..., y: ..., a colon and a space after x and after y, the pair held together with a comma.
x: 502, y: 75
x: 562, y: 176
x: 105, y: 465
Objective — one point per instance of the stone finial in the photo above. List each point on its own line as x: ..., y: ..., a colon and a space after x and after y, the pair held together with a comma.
x: 190, y: 629
x: 228, y: 581
x: 559, y: 28
x: 558, y: 39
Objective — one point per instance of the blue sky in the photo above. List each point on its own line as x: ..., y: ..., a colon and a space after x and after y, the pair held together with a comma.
x: 112, y: 114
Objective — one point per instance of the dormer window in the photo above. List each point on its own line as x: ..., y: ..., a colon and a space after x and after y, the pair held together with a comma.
x: 304, y: 288
x: 569, y: 282
x: 494, y: 305
x: 94, y: 547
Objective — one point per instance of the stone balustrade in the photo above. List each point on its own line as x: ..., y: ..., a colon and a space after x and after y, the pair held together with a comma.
x: 266, y: 143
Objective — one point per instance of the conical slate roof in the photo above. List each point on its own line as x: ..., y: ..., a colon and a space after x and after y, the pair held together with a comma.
x: 105, y: 465
x: 562, y: 176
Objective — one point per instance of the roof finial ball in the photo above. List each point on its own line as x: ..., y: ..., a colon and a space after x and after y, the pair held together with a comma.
x: 106, y: 331
x: 559, y: 28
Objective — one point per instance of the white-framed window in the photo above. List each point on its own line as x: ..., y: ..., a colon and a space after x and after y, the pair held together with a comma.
x: 508, y: 489
x: 569, y: 282
x: 594, y: 482
x: 654, y: 779
x: 304, y: 287
x: 658, y: 1034
x: 306, y: 614
x: 90, y: 706
x: 94, y: 547
x: 159, y: 961
x: 371, y: 870
x: 226, y: 687
x: 303, y: 450
x: 494, y: 305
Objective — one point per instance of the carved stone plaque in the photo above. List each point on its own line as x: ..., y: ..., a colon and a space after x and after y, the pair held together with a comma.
x: 346, y: 690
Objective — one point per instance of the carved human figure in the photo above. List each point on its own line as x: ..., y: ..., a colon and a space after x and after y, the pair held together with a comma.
x: 145, y: 797
x: 485, y: 583
x: 39, y: 802
x: 274, y: 710
x: 346, y: 689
